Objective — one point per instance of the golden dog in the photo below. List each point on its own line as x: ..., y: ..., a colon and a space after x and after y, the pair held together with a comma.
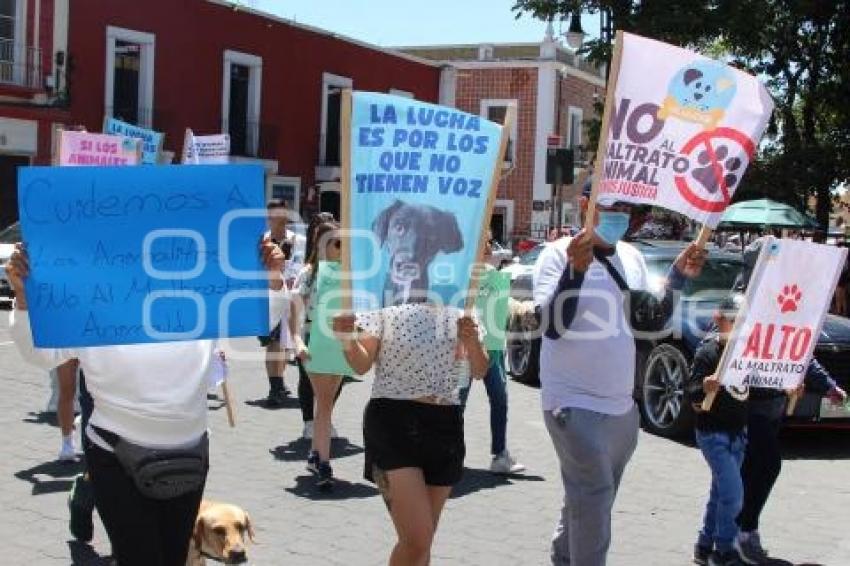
x: 219, y: 534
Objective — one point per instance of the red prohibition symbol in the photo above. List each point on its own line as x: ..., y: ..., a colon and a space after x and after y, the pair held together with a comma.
x: 707, y: 141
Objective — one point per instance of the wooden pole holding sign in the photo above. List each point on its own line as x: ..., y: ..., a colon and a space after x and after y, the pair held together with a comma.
x: 792, y: 404
x: 704, y: 235
x: 345, y: 198
x: 507, y: 126
x: 228, y: 403
x: 602, y: 148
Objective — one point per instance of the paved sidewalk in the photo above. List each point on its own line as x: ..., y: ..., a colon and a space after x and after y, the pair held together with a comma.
x: 489, y: 521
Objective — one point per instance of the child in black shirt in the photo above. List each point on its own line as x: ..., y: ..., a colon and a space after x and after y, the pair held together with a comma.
x: 722, y: 437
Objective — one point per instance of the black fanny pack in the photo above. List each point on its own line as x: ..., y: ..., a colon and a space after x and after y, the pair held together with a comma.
x: 161, y: 473
x: 646, y: 312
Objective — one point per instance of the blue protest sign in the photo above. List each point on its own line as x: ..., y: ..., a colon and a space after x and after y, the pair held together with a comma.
x: 125, y: 255
x: 151, y: 140
x: 419, y: 188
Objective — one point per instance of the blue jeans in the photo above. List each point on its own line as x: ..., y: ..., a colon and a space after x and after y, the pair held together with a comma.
x: 497, y: 391
x: 724, y: 453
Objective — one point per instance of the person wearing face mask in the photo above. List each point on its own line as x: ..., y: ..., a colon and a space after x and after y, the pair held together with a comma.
x: 587, y: 367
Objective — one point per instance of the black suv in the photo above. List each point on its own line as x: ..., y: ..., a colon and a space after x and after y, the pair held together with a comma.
x: 664, y: 363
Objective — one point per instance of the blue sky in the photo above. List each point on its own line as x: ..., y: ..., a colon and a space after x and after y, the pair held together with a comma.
x: 416, y: 22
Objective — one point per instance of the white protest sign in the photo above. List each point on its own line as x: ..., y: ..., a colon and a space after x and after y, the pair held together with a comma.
x: 682, y: 129
x: 789, y: 293
x: 206, y: 150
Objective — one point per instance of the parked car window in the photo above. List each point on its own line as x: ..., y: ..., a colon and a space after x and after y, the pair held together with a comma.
x: 718, y: 274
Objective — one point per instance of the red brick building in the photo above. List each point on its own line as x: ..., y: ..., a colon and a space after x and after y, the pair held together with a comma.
x: 273, y: 85
x: 553, y: 92
x: 33, y: 61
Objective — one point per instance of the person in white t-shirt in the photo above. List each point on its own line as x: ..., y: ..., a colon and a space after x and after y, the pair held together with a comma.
x: 149, y: 400
x: 587, y: 368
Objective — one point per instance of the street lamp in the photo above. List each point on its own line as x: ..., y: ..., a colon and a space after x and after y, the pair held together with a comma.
x: 575, y: 35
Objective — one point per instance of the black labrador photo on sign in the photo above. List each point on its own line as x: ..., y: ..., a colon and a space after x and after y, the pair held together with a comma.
x: 413, y: 235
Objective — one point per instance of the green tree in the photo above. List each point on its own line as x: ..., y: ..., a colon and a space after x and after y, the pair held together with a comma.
x: 799, y: 48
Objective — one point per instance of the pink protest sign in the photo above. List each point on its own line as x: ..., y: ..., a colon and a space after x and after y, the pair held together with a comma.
x: 83, y: 148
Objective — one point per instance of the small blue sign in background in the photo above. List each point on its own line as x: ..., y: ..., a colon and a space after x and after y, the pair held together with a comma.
x: 126, y: 255
x: 151, y: 140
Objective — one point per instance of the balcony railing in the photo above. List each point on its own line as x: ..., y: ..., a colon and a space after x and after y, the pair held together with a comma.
x: 20, y: 65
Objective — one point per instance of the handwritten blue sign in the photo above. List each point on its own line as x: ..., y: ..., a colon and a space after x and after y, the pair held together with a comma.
x: 151, y: 140
x: 420, y: 179
x: 126, y: 255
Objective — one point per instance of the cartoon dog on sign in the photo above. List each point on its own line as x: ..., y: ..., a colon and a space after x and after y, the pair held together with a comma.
x: 699, y: 92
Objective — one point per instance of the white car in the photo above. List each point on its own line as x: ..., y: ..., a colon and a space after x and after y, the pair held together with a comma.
x: 500, y: 256
x: 9, y: 236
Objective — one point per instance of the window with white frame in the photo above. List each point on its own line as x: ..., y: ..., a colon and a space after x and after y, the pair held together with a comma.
x: 574, y: 126
x: 12, y: 42
x: 332, y: 86
x: 496, y: 111
x: 129, y: 75
x: 399, y: 92
x: 240, y: 101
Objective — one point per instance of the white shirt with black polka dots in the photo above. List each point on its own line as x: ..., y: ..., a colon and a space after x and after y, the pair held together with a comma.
x: 418, y: 351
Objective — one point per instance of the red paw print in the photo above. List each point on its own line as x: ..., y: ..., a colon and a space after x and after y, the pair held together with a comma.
x: 789, y: 299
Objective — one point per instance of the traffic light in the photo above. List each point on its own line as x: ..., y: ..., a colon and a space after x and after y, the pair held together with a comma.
x: 559, y: 166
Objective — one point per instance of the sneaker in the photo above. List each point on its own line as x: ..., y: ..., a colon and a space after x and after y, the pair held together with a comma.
x: 81, y: 507
x: 701, y: 554
x: 749, y: 548
x: 68, y: 452
x: 505, y: 464
x: 307, y: 433
x: 313, y: 462
x: 726, y: 558
x: 325, y: 479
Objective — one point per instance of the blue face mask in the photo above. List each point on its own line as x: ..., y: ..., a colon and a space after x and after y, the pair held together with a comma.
x: 612, y: 226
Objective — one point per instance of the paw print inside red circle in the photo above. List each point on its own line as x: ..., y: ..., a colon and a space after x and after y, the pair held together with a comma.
x: 789, y: 298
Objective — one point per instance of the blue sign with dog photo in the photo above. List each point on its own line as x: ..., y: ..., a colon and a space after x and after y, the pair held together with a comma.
x: 420, y: 182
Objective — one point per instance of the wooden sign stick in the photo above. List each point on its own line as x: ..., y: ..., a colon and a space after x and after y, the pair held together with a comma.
x: 602, y: 148
x: 704, y: 235
x: 345, y: 198
x: 792, y: 404
x: 228, y: 403
x: 507, y: 127
x: 187, y: 143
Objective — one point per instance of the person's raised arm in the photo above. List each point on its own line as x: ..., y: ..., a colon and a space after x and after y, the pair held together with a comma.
x: 470, y: 337
x: 273, y: 259
x: 17, y: 270
x: 557, y: 283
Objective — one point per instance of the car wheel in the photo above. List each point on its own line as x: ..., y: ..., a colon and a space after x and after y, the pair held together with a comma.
x: 662, y: 402
x: 523, y: 355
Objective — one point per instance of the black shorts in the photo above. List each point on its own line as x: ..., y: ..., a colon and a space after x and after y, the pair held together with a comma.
x: 410, y: 434
x: 274, y: 336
